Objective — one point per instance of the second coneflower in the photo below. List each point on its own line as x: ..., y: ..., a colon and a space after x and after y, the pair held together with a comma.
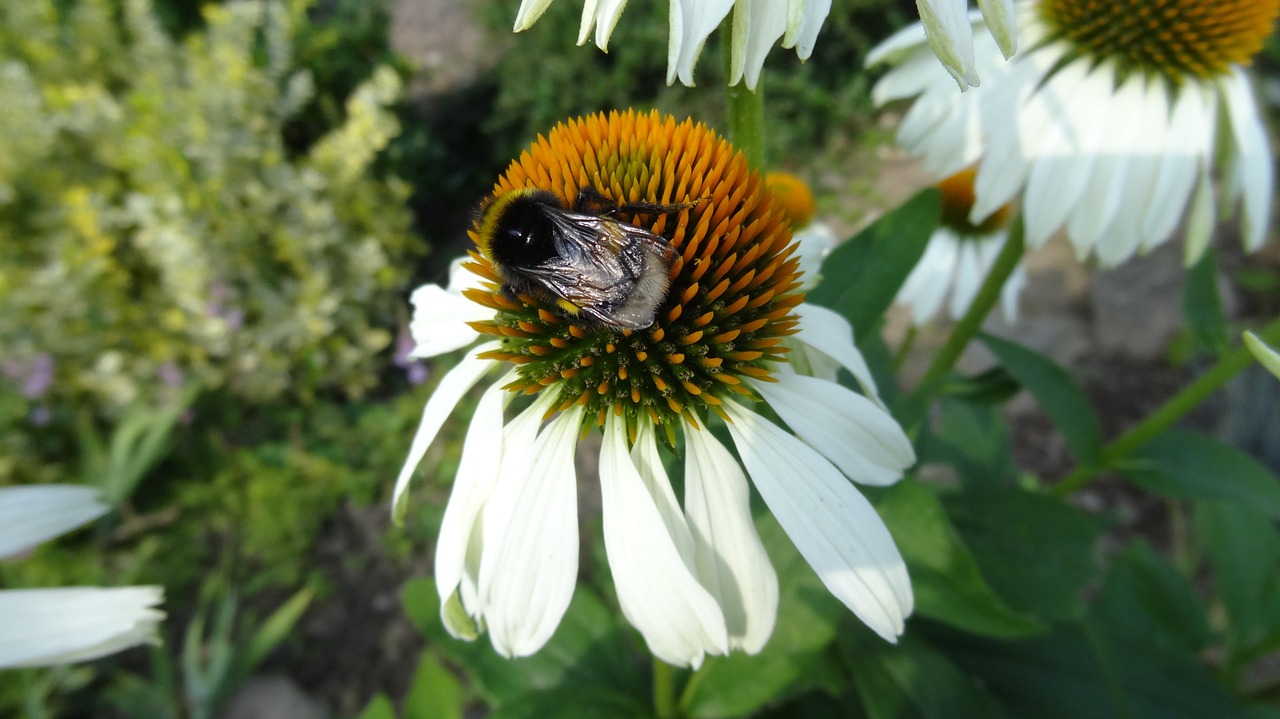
x: 732, y: 335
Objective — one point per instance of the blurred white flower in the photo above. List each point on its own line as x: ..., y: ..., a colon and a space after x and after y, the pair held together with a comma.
x: 758, y: 24
x: 44, y: 627
x: 958, y: 258
x: 1112, y: 124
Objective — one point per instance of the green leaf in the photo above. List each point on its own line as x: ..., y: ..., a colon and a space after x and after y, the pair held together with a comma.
x: 574, y: 702
x: 1244, y: 546
x: 435, y: 692
x: 948, y: 584
x: 973, y: 440
x: 590, y: 648
x: 276, y: 627
x: 1034, y: 550
x: 378, y: 707
x: 862, y: 276
x: 1149, y: 598
x: 1187, y: 465
x: 1056, y: 393
x: 911, y: 680
x: 738, y: 685
x: 1202, y: 304
x: 991, y: 387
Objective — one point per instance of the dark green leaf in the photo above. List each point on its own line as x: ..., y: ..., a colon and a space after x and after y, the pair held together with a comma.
x: 911, y: 680
x: 1034, y: 550
x: 862, y: 276
x: 738, y: 684
x: 573, y: 702
x: 1202, y: 304
x: 1056, y: 393
x: 1187, y: 465
x: 1149, y: 598
x: 590, y: 648
x: 973, y: 440
x: 991, y: 387
x: 948, y: 586
x: 435, y: 692
x: 1244, y: 547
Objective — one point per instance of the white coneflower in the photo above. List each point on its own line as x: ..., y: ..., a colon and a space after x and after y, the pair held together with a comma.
x: 1112, y: 123
x: 958, y: 258
x: 44, y: 627
x: 758, y: 24
x: 693, y: 579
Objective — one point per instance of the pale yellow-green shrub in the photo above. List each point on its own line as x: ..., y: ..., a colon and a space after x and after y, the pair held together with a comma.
x: 154, y: 226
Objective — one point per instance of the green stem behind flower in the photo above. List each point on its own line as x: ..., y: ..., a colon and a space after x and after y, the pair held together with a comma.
x: 1171, y: 411
x: 746, y: 114
x: 916, y: 405
x: 664, y: 690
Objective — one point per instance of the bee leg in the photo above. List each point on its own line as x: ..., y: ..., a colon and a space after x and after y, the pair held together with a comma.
x: 591, y: 202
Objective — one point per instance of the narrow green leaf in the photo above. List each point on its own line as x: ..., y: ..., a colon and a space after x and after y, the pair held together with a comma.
x: 276, y: 628
x: 1202, y: 304
x: 1056, y: 393
x: 1187, y: 465
x: 991, y: 387
x: 912, y: 680
x: 739, y: 685
x: 862, y: 276
x: 948, y: 584
x: 973, y: 440
x: 1036, y: 551
x: 1149, y: 597
x: 435, y: 692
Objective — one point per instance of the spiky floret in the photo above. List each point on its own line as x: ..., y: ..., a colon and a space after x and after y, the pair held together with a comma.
x: 1170, y: 38
x: 735, y: 281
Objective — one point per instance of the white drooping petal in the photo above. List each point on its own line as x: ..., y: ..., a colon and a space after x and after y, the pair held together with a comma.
x: 657, y: 590
x: 604, y: 16
x: 691, y: 23
x: 757, y: 25
x: 530, y: 525
x: 1252, y: 156
x: 813, y: 243
x: 440, y: 315
x: 32, y: 514
x: 826, y: 331
x: 457, y: 557
x: 802, y: 30
x: 1001, y: 20
x: 832, y: 525
x: 1190, y: 135
x: 644, y: 454
x: 1267, y: 356
x: 529, y: 12
x: 1200, y: 219
x: 856, y: 434
x: 452, y: 387
x: 927, y: 285
x: 46, y: 627
x: 946, y: 24
x: 731, y: 560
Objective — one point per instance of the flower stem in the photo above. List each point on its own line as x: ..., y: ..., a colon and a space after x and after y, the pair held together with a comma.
x: 1171, y: 411
x: 746, y: 114
x: 664, y: 690
x: 916, y: 405
x: 904, y: 349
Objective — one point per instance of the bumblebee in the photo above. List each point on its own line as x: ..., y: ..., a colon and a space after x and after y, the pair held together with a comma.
x: 581, y: 258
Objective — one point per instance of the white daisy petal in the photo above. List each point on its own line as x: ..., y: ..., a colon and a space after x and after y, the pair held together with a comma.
x: 826, y: 331
x: 45, y: 627
x: 478, y: 472
x: 691, y: 23
x: 1000, y: 19
x: 657, y: 591
x: 32, y: 514
x: 529, y: 12
x: 1200, y: 220
x: 835, y: 529
x: 452, y: 387
x: 644, y: 455
x: 731, y: 560
x: 440, y: 315
x: 856, y: 434
x: 946, y: 24
x: 927, y: 285
x: 1253, y: 157
x: 757, y: 25
x: 530, y: 562
x: 970, y: 272
x: 1191, y: 132
x: 813, y: 14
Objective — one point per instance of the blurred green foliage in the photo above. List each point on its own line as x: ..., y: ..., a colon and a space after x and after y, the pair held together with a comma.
x: 157, y: 229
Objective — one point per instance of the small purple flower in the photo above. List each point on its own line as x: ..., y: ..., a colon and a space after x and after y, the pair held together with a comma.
x: 170, y: 375
x: 415, y: 370
x: 35, y: 378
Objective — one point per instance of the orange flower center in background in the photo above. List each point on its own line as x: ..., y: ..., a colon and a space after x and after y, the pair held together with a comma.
x: 734, y: 281
x: 1175, y: 38
x: 794, y: 196
x: 957, y: 202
